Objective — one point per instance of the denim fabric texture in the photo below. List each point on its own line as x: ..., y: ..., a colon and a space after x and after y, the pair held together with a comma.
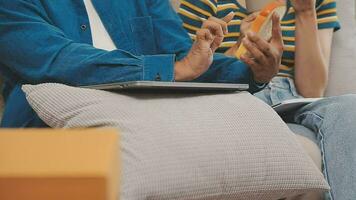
x: 278, y: 90
x: 333, y: 122
x: 42, y: 41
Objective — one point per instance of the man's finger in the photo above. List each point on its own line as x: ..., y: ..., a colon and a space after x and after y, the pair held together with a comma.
x: 228, y: 17
x: 205, y: 35
x: 204, y: 38
x: 214, y: 27
x: 260, y: 43
x: 216, y: 43
x: 221, y: 23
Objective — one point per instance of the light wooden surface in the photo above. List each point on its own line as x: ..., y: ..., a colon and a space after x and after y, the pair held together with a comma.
x: 59, y: 164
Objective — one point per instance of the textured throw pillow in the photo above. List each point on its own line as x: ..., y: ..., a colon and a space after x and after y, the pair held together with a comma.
x: 188, y: 146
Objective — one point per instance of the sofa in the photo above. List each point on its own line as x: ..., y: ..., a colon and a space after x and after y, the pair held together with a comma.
x: 343, y: 64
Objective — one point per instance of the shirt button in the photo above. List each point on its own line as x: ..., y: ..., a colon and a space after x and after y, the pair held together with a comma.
x: 158, y: 77
x: 83, y: 27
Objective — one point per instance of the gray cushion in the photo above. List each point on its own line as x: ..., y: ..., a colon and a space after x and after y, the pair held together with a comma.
x: 343, y: 65
x: 176, y: 146
x: 303, y: 131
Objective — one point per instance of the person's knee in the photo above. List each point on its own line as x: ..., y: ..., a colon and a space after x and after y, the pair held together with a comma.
x: 343, y: 104
x: 332, y: 110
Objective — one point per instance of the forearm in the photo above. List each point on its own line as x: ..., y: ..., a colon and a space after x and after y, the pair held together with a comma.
x: 310, y: 65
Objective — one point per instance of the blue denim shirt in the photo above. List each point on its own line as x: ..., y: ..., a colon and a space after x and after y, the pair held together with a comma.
x: 50, y: 41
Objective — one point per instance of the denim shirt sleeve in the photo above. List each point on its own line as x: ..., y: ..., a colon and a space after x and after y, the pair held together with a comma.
x: 35, y: 51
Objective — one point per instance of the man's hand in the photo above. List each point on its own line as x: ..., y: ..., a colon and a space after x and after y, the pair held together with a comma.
x: 264, y: 57
x: 200, y: 57
x: 245, y: 26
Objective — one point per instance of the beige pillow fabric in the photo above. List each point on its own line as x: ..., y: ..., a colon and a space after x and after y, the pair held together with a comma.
x: 342, y: 65
x: 189, y: 146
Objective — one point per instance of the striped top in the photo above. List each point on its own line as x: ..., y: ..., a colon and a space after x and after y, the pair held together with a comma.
x: 194, y: 12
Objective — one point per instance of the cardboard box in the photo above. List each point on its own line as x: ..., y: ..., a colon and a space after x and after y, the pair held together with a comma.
x: 52, y: 164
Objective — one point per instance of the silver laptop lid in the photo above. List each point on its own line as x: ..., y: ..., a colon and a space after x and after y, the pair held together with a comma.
x: 149, y: 85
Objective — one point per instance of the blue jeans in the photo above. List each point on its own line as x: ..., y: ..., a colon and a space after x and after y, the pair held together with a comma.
x: 333, y: 120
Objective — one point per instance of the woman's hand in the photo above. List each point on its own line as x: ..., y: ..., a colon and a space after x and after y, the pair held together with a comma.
x: 200, y: 56
x: 264, y: 57
x: 245, y: 26
x: 303, y: 5
x: 246, y: 23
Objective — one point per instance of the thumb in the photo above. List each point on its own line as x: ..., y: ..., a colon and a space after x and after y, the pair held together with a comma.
x: 276, y: 29
x: 251, y: 17
x: 228, y: 17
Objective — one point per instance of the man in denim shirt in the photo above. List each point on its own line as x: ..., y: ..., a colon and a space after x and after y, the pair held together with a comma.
x: 51, y: 41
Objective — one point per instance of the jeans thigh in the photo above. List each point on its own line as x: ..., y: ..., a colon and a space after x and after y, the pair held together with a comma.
x: 333, y: 120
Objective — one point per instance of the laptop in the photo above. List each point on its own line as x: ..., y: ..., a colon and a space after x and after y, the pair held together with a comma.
x: 293, y: 104
x: 168, y: 86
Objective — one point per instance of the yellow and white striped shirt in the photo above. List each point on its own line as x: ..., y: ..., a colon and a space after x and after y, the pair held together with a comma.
x: 194, y: 12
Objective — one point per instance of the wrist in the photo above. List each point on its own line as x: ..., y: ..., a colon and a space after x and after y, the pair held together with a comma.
x: 255, y: 85
x: 306, y: 13
x: 182, y: 71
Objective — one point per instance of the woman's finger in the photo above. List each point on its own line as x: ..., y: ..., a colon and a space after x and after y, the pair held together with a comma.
x: 260, y: 43
x: 251, y: 17
x: 251, y: 63
x: 277, y: 38
x: 254, y: 51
